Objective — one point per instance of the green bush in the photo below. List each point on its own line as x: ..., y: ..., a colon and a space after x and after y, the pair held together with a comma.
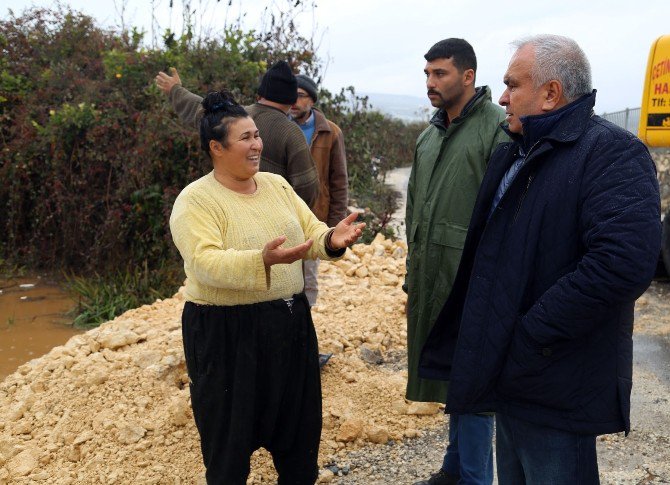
x: 101, y: 298
x: 92, y: 157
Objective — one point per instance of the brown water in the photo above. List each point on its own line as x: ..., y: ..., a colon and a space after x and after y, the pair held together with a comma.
x: 32, y: 320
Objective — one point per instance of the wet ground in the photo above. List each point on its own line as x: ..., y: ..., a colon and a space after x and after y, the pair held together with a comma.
x: 398, y: 179
x: 652, y: 353
x: 33, y: 320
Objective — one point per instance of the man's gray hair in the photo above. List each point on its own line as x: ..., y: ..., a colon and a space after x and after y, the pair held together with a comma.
x: 559, y: 58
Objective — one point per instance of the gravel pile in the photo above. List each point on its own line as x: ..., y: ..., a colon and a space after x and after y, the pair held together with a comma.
x: 112, y: 405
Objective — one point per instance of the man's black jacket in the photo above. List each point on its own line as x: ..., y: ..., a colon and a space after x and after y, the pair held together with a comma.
x: 539, y: 322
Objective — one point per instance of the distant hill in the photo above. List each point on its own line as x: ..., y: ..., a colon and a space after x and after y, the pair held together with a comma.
x: 407, y: 108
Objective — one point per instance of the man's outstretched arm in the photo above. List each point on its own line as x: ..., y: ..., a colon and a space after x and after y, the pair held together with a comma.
x: 185, y: 103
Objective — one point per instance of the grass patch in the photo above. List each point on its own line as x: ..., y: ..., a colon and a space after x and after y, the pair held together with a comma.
x: 10, y: 322
x: 101, y: 298
x: 9, y: 270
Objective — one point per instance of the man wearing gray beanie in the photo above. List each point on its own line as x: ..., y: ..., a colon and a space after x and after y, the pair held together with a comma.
x: 308, y: 85
x: 326, y: 144
x: 285, y: 151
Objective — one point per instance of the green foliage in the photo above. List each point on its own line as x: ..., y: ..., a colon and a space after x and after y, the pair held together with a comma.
x: 101, y: 298
x: 92, y: 157
x: 10, y: 270
x: 69, y: 118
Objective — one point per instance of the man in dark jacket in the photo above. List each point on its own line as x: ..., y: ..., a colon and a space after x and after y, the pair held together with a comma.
x: 564, y: 238
x: 285, y: 151
x: 326, y: 144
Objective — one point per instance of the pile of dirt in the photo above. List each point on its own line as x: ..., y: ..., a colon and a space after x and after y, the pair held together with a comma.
x: 112, y: 405
x: 662, y: 159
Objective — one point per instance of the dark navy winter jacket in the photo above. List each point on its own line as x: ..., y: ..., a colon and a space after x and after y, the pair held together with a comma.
x: 539, y: 322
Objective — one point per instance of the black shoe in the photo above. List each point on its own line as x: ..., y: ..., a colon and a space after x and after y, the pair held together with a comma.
x: 440, y: 478
x: 323, y: 359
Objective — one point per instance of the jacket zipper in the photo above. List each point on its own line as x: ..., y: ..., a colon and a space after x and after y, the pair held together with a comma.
x: 530, y: 179
x: 523, y: 196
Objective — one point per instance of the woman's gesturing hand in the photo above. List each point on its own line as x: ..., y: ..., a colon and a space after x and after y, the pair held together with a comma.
x: 346, y: 232
x: 274, y: 254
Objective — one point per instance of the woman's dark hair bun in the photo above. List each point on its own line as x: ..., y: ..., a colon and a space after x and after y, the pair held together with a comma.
x: 219, y: 101
x: 219, y: 109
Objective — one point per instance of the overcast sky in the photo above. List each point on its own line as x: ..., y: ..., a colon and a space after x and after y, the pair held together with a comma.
x: 378, y: 46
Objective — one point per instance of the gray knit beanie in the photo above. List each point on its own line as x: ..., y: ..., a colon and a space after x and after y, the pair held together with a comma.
x: 308, y: 85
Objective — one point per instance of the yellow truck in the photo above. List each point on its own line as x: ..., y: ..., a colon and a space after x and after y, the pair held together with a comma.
x: 654, y: 127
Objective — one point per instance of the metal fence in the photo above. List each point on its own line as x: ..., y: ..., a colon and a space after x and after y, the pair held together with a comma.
x: 628, y: 118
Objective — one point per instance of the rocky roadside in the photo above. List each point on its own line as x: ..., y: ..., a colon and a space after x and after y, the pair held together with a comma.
x: 112, y: 405
x: 661, y: 158
x: 643, y: 457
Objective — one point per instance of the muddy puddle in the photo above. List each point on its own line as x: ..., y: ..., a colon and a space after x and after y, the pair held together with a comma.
x: 33, y: 320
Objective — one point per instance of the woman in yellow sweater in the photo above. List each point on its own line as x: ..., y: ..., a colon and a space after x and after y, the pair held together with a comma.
x: 249, y: 341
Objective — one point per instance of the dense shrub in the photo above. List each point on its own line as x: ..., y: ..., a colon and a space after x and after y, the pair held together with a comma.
x: 93, y: 157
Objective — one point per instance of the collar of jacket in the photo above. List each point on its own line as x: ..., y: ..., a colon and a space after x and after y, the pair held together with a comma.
x: 563, y: 125
x: 268, y: 107
x: 320, y: 121
x: 440, y: 120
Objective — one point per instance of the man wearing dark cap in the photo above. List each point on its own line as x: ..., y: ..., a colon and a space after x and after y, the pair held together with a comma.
x: 449, y: 163
x: 285, y: 151
x: 327, y: 147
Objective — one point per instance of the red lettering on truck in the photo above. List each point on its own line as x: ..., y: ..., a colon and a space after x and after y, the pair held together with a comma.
x: 661, y: 69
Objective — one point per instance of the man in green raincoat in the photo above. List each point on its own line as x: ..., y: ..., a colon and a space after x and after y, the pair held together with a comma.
x: 449, y: 164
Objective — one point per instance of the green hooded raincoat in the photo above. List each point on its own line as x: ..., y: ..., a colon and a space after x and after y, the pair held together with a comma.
x: 448, y: 168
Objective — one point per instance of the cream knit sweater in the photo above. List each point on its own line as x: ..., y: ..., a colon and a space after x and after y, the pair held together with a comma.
x: 221, y: 234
